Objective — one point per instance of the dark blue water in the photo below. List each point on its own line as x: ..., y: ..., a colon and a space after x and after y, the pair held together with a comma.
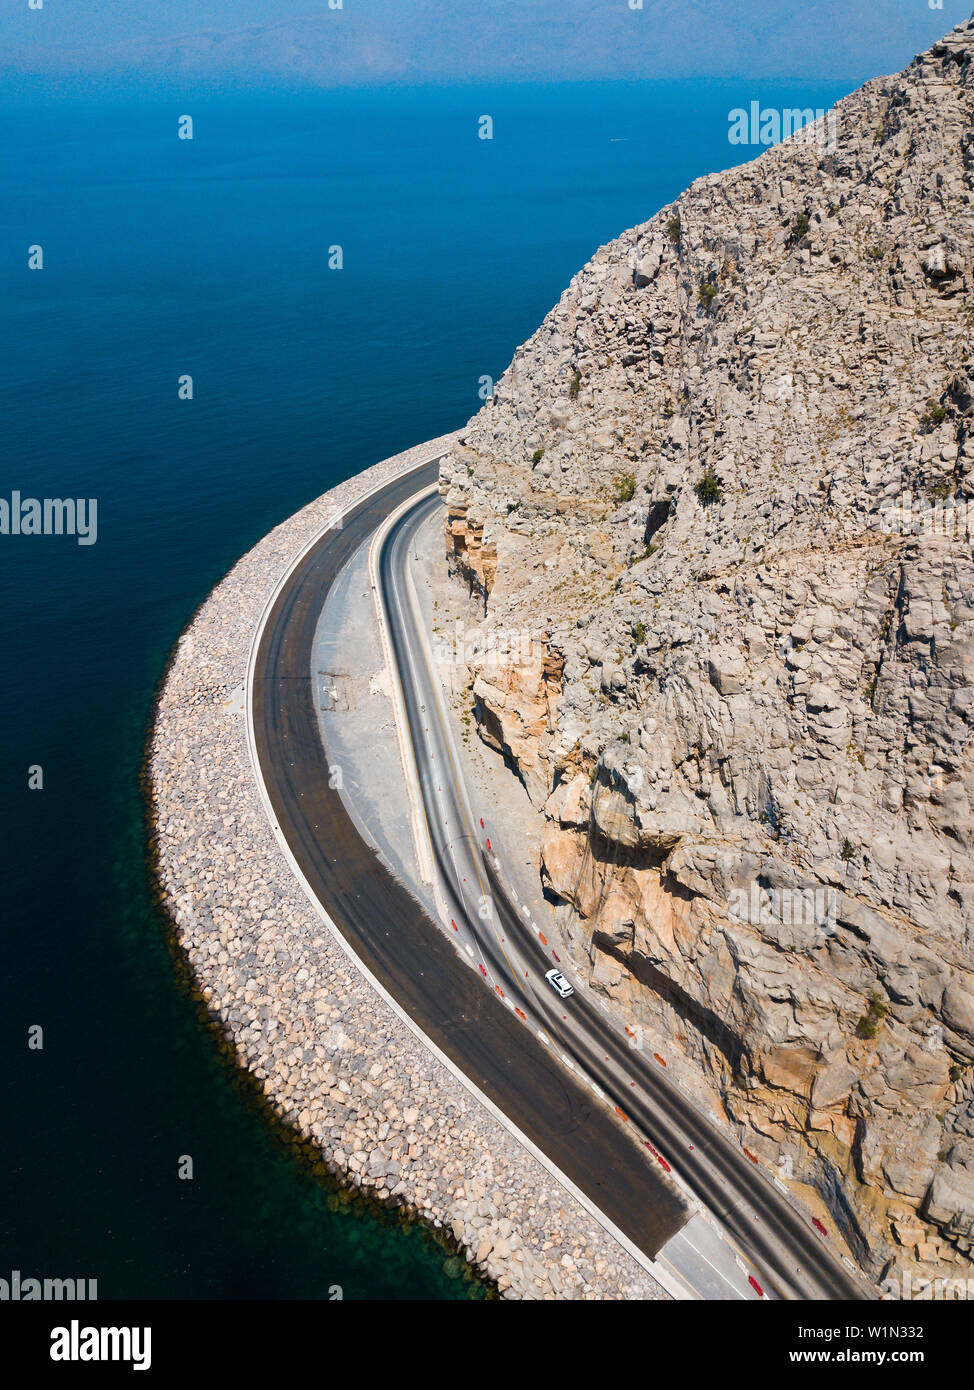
x: 210, y: 257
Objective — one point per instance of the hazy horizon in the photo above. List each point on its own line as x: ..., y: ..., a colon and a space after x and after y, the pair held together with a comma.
x: 369, y: 42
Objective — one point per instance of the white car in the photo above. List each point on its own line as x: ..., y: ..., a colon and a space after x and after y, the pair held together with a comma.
x: 558, y: 983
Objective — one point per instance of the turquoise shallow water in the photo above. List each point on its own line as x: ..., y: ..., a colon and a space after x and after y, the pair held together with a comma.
x: 210, y: 258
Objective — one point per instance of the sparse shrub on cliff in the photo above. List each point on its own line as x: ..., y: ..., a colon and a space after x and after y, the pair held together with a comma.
x: 624, y: 488
x: 650, y: 550
x: 875, y: 253
x: 872, y: 1020
x: 799, y: 229
x: 537, y: 456
x: 706, y: 295
x: 708, y: 489
x: 848, y: 852
x: 639, y: 633
x: 674, y: 228
x: 934, y: 415
x: 575, y: 385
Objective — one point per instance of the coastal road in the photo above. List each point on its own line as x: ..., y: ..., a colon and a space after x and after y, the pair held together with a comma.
x: 778, y: 1243
x: 598, y: 1108
x: 395, y: 938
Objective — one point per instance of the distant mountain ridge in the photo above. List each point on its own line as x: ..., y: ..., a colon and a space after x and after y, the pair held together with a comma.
x: 371, y: 40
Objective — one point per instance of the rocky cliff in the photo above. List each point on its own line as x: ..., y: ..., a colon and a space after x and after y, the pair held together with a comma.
x: 726, y: 485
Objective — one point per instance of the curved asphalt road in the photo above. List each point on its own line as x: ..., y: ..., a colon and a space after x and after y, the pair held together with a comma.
x: 780, y: 1241
x: 392, y: 933
x: 557, y: 1070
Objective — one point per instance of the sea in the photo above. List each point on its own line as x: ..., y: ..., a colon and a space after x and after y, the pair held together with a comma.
x: 338, y: 272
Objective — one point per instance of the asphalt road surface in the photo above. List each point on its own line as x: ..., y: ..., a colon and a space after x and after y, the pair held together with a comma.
x: 601, y: 1110
x: 394, y: 936
x: 783, y: 1249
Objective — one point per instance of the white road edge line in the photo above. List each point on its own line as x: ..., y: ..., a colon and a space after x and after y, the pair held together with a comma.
x: 417, y: 813
x: 672, y: 1285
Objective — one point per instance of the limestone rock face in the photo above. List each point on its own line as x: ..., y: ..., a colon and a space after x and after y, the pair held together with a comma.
x: 735, y: 518
x: 516, y: 702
